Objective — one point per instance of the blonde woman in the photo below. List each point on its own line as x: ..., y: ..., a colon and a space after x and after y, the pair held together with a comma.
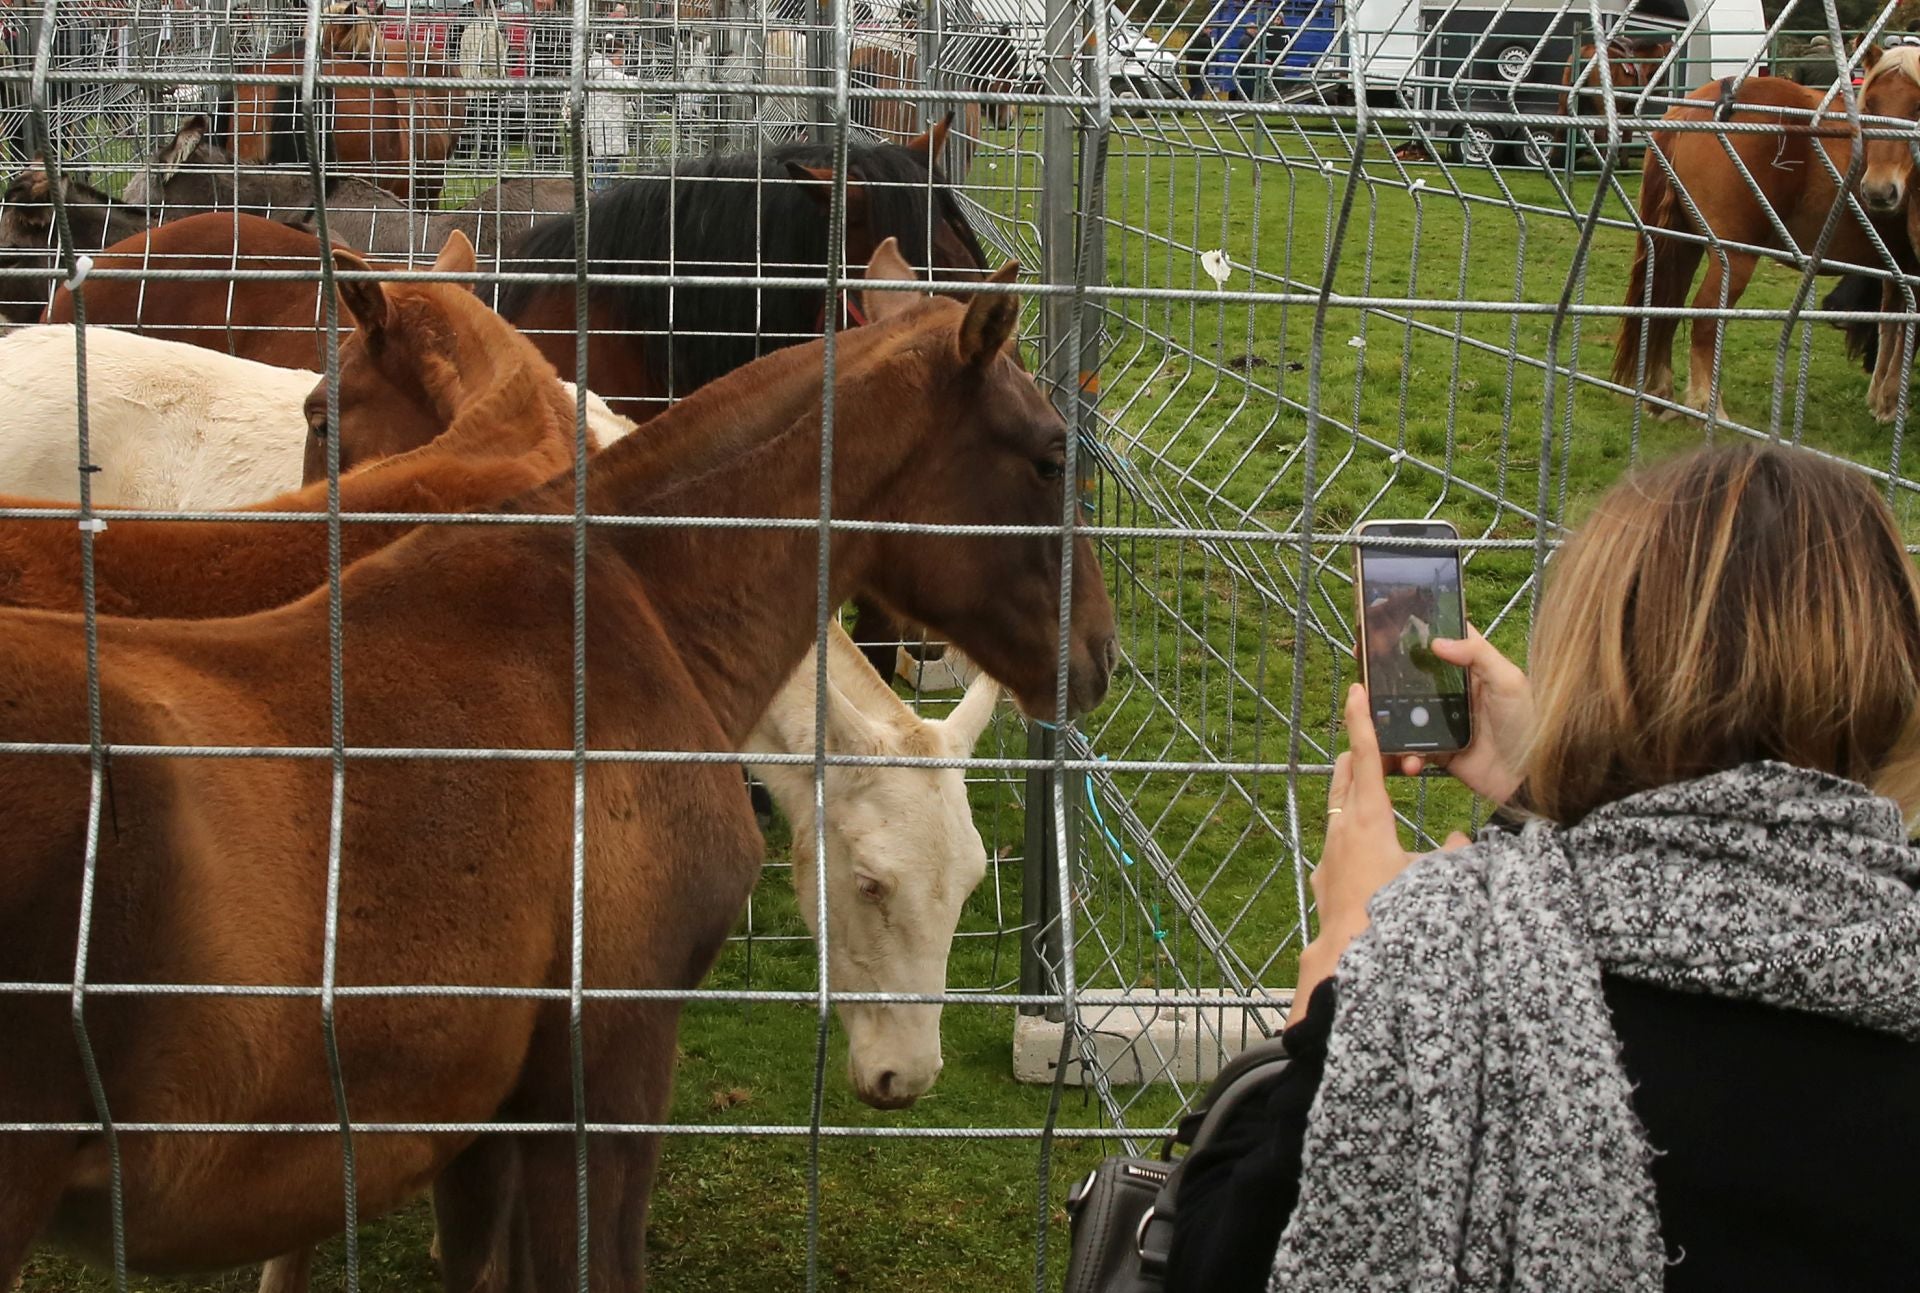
x: 1663, y: 1036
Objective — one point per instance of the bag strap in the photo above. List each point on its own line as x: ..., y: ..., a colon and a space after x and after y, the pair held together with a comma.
x: 1243, y: 1077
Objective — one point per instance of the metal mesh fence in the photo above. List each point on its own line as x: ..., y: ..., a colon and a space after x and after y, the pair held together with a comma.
x: 1288, y: 266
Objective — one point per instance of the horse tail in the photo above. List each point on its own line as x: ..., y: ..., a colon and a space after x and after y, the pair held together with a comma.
x: 1858, y: 292
x: 1659, y: 209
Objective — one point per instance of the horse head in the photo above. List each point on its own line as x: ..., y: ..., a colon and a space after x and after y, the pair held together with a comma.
x: 191, y: 146
x: 1891, y: 89
x: 999, y: 460
x: 902, y: 855
x: 401, y: 377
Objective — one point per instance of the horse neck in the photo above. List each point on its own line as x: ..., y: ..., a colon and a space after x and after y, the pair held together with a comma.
x: 738, y: 604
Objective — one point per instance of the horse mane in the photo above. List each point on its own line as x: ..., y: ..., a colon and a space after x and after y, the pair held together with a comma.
x: 704, y: 210
x: 1904, y: 59
x: 1858, y: 292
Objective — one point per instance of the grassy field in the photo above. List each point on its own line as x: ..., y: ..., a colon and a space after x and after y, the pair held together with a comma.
x: 1207, y: 399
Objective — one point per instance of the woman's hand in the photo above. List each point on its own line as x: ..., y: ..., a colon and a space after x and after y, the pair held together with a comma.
x: 1362, y: 850
x: 1501, y: 701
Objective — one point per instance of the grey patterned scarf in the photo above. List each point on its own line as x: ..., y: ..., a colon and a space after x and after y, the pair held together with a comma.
x: 1473, y: 1129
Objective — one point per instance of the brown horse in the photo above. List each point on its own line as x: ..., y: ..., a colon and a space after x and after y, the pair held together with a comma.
x: 1794, y: 182
x: 271, y: 321
x: 398, y: 136
x: 897, y: 118
x: 1632, y: 62
x: 216, y: 871
x: 506, y: 428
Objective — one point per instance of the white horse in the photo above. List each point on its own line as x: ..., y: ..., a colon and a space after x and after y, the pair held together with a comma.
x: 902, y: 855
x: 169, y: 425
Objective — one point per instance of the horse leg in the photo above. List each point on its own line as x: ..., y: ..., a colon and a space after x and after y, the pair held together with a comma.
x: 289, y: 1274
x: 1883, y: 392
x: 630, y: 1053
x: 1737, y: 271
x: 32, y: 1177
x: 480, y: 1221
x: 878, y: 636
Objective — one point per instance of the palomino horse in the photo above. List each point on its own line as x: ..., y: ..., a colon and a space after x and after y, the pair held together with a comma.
x: 397, y: 136
x: 29, y: 239
x: 1792, y: 179
x: 461, y: 873
x: 271, y: 321
x: 174, y: 426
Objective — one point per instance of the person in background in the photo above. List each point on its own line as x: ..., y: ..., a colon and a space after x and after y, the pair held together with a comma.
x: 549, y: 48
x: 483, y: 53
x: 1667, y: 1036
x: 607, y: 104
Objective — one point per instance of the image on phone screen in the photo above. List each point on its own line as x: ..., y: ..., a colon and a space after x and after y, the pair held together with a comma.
x: 1408, y: 598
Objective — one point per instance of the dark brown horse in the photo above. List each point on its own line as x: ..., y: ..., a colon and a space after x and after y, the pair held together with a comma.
x: 271, y: 321
x: 461, y: 872
x: 29, y: 239
x: 1794, y: 182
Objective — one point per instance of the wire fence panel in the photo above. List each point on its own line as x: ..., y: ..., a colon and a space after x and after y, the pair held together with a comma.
x: 1285, y: 267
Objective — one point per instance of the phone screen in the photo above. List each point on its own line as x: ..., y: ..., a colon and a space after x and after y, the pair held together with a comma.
x: 1408, y: 597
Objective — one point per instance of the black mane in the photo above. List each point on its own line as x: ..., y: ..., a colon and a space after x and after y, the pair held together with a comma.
x: 718, y: 215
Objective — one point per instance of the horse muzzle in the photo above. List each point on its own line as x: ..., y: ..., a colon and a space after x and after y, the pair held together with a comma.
x: 1882, y: 198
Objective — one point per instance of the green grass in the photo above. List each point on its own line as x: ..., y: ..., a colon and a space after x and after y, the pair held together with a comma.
x: 1213, y: 423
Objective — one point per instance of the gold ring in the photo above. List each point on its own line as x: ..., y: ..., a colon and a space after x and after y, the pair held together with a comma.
x: 1332, y: 811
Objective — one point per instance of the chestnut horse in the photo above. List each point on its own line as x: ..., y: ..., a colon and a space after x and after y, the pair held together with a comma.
x: 397, y: 136
x: 460, y: 873
x: 508, y: 428
x: 1632, y: 62
x: 896, y: 118
x: 1795, y: 183
x: 270, y: 321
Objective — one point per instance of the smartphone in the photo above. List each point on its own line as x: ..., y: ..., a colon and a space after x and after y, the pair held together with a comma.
x: 1407, y: 597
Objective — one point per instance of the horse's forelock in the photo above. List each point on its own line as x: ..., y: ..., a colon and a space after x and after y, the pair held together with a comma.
x: 1904, y: 59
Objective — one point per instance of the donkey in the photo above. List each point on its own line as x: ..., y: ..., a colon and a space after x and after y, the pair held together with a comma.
x: 30, y: 241
x: 462, y: 873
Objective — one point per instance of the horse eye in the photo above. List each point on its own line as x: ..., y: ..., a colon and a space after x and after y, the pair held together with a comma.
x: 1049, y: 469
x: 870, y: 888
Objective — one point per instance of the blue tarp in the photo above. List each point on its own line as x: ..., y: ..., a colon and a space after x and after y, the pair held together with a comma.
x: 1243, y: 38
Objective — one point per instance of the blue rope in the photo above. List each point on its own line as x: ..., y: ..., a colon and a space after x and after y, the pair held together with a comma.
x: 1106, y: 832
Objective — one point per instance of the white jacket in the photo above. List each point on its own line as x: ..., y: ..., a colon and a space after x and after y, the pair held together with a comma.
x: 608, y: 98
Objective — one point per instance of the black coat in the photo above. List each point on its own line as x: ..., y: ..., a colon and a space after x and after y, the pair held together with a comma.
x: 1788, y: 1150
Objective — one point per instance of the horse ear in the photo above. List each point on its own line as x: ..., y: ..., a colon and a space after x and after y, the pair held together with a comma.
x: 366, y: 300
x: 1869, y: 58
x: 962, y: 729
x: 932, y: 144
x: 456, y: 255
x: 991, y: 320
x: 817, y: 181
x: 888, y: 265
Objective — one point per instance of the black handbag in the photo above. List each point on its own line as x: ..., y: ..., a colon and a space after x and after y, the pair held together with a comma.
x: 1121, y: 1215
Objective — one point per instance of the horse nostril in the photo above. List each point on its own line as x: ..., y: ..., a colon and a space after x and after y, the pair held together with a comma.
x: 884, y: 1084
x: 1112, y: 653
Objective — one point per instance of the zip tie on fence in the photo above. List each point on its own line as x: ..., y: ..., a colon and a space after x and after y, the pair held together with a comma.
x: 82, y: 266
x: 1416, y: 186
x: 94, y: 524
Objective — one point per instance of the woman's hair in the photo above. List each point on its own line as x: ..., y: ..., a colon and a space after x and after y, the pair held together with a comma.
x: 1735, y: 604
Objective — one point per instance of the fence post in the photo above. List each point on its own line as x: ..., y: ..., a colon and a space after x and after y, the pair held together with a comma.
x: 1071, y: 245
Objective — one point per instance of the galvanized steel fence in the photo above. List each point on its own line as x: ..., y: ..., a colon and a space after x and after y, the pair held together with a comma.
x: 1291, y: 265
